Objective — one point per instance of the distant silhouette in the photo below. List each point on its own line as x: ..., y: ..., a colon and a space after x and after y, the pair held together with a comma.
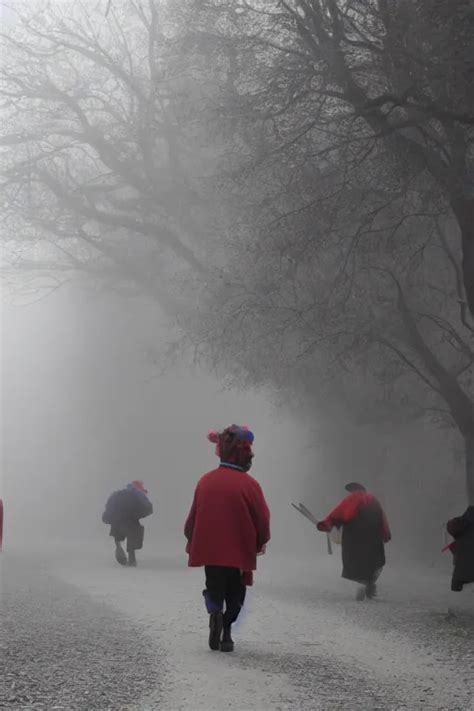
x: 461, y: 529
x: 123, y: 512
x: 365, y: 531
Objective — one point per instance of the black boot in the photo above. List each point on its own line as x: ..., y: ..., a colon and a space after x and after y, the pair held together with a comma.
x: 215, y: 630
x: 227, y: 643
x: 132, y: 561
x: 371, y: 591
x: 120, y: 555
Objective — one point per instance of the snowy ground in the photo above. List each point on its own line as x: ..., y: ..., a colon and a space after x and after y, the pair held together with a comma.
x: 60, y: 650
x: 302, y: 642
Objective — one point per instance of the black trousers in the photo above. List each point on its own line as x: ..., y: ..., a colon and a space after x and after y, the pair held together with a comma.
x: 224, y: 585
x: 133, y: 533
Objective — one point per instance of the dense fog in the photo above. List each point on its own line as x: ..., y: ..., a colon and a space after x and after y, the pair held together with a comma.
x: 236, y: 212
x: 92, y: 400
x: 86, y: 409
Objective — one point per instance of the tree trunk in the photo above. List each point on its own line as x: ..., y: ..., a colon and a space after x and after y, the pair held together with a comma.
x: 468, y: 265
x: 469, y: 448
x: 464, y: 211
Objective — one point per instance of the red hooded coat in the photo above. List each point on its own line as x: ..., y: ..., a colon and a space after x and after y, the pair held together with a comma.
x: 229, y: 520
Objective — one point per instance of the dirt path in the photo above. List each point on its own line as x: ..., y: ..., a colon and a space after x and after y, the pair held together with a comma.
x: 302, y: 642
x: 61, y: 650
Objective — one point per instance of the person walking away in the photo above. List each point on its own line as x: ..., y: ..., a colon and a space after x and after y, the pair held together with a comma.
x: 123, y: 512
x: 228, y: 525
x: 365, y: 531
x: 461, y: 528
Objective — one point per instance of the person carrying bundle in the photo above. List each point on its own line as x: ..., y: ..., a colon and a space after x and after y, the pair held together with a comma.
x: 123, y: 512
x: 461, y: 528
x: 365, y: 532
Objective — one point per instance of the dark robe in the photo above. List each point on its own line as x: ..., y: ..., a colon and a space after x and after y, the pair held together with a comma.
x: 364, y: 533
x: 363, y: 549
x: 461, y: 529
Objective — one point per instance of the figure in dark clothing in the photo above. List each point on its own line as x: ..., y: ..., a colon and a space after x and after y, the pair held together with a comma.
x: 227, y: 527
x: 123, y: 512
x: 225, y: 588
x: 461, y: 529
x: 364, y: 533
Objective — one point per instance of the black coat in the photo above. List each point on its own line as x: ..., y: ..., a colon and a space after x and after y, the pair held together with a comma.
x: 461, y: 529
x: 363, y: 550
x: 123, y: 512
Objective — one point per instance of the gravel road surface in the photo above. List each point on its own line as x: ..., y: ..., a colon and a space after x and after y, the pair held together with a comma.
x: 61, y: 650
x: 86, y: 634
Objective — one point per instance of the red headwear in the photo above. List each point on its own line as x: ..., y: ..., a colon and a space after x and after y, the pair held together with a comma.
x: 233, y: 446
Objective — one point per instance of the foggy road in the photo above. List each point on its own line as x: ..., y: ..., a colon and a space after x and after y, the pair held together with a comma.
x: 302, y: 642
x: 61, y: 650
x: 237, y: 233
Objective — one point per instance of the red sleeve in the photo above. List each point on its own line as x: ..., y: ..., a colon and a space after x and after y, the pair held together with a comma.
x: 260, y: 515
x: 189, y: 525
x: 343, y: 513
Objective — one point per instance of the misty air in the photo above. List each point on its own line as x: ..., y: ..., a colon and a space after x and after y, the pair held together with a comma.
x: 237, y: 355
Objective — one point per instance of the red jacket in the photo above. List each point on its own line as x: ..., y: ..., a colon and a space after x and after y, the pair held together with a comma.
x: 347, y: 510
x: 229, y: 520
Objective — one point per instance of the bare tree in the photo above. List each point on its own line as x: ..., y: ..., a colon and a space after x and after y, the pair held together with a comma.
x: 301, y: 168
x: 344, y: 275
x: 358, y: 74
x: 97, y: 152
x: 351, y: 163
